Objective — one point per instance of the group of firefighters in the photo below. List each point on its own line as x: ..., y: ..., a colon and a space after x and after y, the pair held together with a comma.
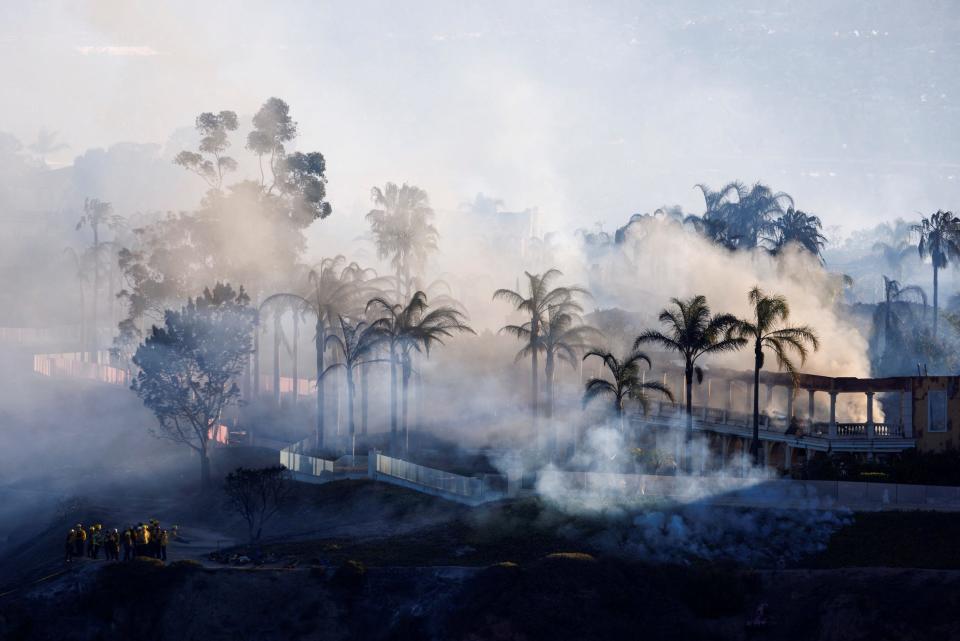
x: 143, y: 539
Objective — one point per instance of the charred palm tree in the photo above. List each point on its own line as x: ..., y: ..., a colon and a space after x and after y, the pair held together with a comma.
x: 540, y: 298
x: 692, y: 332
x: 766, y: 330
x: 406, y: 329
x: 356, y: 342
x: 939, y: 237
x: 627, y: 383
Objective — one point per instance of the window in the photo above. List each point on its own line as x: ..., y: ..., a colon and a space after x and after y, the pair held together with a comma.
x: 937, y: 411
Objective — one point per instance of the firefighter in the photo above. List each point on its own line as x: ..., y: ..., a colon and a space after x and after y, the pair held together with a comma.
x: 96, y: 541
x: 155, y: 538
x: 71, y: 544
x: 143, y: 540
x: 127, y: 540
x: 80, y: 541
x: 113, y: 545
x: 163, y: 540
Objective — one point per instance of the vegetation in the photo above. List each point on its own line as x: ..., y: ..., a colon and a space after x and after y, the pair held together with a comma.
x: 357, y: 343
x: 627, y: 383
x: 406, y: 329
x: 188, y: 367
x: 257, y: 495
x: 539, y: 302
x: 939, y: 238
x: 402, y: 226
x: 766, y: 330
x: 692, y: 332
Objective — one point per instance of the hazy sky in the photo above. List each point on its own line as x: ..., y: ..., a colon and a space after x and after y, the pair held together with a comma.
x: 590, y: 111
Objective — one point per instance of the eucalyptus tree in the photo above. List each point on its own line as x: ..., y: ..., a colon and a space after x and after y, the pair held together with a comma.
x: 767, y: 329
x: 939, y: 237
x: 406, y: 329
x: 357, y: 343
x: 625, y: 383
x: 536, y: 304
x: 403, y: 230
x: 692, y: 332
x: 211, y: 163
x: 97, y: 214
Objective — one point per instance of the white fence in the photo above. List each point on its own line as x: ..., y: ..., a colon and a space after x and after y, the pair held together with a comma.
x: 293, y: 458
x: 465, y: 489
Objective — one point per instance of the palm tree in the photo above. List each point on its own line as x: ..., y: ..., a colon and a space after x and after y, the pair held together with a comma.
x: 693, y: 332
x: 940, y: 239
x: 336, y: 288
x: 798, y: 227
x: 895, y: 293
x: 356, y: 342
x: 562, y: 337
x: 81, y: 275
x: 766, y: 331
x: 97, y: 214
x: 297, y: 305
x: 537, y: 304
x: 406, y: 329
x: 402, y: 226
x: 739, y: 217
x: 894, y: 255
x: 627, y: 383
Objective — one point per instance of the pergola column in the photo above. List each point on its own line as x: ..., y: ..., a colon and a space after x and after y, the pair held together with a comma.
x: 906, y: 413
x: 811, y: 408
x: 833, y: 414
x: 789, y: 404
x: 870, y: 425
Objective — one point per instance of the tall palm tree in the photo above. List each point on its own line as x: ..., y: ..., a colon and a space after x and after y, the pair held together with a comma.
x: 403, y: 230
x: 356, y: 343
x: 280, y: 304
x: 800, y: 228
x: 336, y: 289
x: 540, y: 298
x: 563, y: 336
x: 940, y: 240
x: 627, y: 383
x: 405, y: 330
x: 692, y: 332
x: 766, y: 330
x: 895, y: 293
x: 97, y: 214
x: 81, y: 274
